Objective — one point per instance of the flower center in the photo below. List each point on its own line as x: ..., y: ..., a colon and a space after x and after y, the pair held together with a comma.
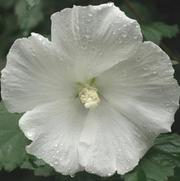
x: 88, y: 96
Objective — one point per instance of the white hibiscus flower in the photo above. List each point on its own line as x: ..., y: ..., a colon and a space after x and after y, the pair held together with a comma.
x: 96, y: 96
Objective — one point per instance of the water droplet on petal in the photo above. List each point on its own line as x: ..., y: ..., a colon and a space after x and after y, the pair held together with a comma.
x: 100, y: 53
x: 87, y: 37
x: 135, y: 37
x: 90, y: 15
x: 93, y: 48
x: 138, y: 60
x: 51, y: 164
x: 72, y: 175
x: 167, y: 104
x: 29, y: 133
x: 125, y: 25
x: 124, y: 35
x: 56, y: 162
x: 139, y: 136
x: 110, y: 4
x: 84, y: 47
x: 145, y: 68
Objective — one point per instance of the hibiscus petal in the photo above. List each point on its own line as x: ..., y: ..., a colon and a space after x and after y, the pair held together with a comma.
x: 34, y: 74
x: 55, y: 129
x: 95, y: 36
x: 143, y: 86
x: 110, y: 142
x: 137, y: 106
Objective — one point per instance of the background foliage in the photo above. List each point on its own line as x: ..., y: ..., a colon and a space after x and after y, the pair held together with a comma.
x: 160, y: 23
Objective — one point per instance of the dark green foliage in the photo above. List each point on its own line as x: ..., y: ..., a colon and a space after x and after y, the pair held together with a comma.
x: 29, y: 14
x: 176, y: 175
x: 157, y: 31
x: 160, y: 161
x: 12, y: 141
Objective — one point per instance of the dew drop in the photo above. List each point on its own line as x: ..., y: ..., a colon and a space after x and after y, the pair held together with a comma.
x: 110, y: 4
x: 55, y: 145
x: 126, y: 168
x: 87, y: 37
x: 139, y: 136
x: 100, y: 53
x: 170, y: 64
x: 30, y: 135
x: 167, y: 104
x: 77, y: 27
x: 90, y: 15
x: 84, y: 47
x: 88, y: 20
x: 109, y: 174
x: 119, y: 150
x: 138, y: 60
x: 92, y: 171
x: 145, y: 68
x: 56, y: 162
x: 124, y: 73
x: 125, y: 25
x: 51, y: 164
x: 170, y: 110
x: 135, y: 37
x: 72, y: 175
x: 93, y: 48
x: 124, y: 35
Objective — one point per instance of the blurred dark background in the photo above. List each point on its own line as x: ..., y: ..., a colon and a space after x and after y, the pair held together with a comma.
x: 159, y: 19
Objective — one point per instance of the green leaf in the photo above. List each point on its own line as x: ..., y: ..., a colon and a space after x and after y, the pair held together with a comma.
x: 176, y: 176
x: 135, y: 9
x: 159, y: 163
x: 39, y: 167
x: 8, y: 33
x: 158, y: 30
x: 7, y: 4
x: 2, y: 64
x: 177, y: 72
x: 136, y: 176
x: 29, y: 14
x: 12, y: 141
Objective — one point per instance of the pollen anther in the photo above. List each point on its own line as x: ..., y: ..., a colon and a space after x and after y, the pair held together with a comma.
x: 89, y: 96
